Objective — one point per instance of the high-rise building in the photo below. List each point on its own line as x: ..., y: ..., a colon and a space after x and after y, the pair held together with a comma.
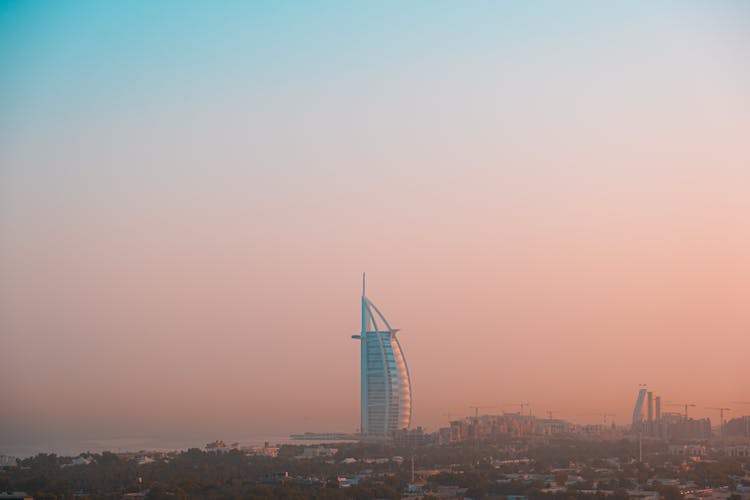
x: 657, y: 400
x: 638, y: 410
x: 386, y: 386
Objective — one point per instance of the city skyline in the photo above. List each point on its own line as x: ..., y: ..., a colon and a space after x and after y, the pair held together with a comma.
x: 551, y: 198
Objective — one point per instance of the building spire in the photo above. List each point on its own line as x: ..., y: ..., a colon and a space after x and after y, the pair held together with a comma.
x: 363, y: 284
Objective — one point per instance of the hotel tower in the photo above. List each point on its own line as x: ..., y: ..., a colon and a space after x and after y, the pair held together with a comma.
x: 386, y: 387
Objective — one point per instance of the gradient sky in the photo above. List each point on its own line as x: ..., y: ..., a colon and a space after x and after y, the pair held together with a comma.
x: 551, y: 200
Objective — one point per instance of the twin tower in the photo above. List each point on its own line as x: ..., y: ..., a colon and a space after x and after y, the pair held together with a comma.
x: 386, y: 386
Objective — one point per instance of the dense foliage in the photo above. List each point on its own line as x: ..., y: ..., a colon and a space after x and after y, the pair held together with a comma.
x: 480, y: 470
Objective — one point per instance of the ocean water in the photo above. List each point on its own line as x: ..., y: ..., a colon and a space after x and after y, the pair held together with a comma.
x: 72, y: 447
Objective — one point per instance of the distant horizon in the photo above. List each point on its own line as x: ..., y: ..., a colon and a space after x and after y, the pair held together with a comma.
x: 198, y: 439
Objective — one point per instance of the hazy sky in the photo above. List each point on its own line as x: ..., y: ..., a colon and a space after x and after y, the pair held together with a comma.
x: 551, y: 200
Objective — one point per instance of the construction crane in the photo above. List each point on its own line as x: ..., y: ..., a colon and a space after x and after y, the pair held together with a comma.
x: 721, y: 418
x: 685, y: 405
x: 520, y: 404
x: 477, y: 408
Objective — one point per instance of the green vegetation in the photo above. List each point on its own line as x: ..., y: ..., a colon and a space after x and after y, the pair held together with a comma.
x: 552, y: 470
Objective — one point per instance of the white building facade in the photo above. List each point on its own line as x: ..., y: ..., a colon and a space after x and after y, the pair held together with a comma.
x: 385, y: 382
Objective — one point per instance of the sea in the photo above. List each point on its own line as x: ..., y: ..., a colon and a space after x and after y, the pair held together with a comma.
x: 122, y: 444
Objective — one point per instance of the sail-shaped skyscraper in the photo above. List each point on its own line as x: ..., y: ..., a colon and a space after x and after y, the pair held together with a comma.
x: 386, y: 386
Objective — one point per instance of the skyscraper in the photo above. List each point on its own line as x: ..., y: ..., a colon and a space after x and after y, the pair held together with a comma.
x: 386, y: 386
x: 638, y: 410
x: 657, y: 400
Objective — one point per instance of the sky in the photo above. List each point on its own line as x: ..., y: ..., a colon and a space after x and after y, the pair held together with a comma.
x: 551, y: 200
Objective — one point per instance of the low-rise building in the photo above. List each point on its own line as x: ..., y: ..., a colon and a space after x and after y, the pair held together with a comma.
x: 317, y: 452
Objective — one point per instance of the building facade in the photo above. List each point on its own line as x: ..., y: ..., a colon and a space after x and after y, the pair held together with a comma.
x: 385, y: 383
x: 638, y: 411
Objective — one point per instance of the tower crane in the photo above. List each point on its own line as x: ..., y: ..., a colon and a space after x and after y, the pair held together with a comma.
x: 476, y: 420
x: 685, y: 405
x: 721, y: 418
x: 477, y: 408
x: 520, y: 404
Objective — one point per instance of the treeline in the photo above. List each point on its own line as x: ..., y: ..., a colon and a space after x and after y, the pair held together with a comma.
x: 193, y: 474
x: 198, y: 474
